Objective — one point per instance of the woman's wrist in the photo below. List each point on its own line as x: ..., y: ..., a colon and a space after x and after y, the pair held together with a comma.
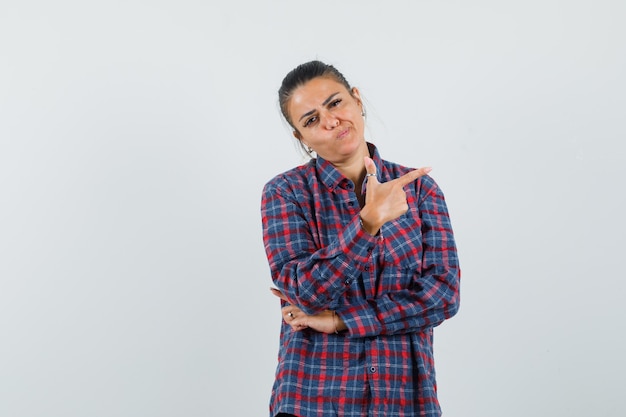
x: 338, y: 323
x: 369, y: 221
x: 367, y: 227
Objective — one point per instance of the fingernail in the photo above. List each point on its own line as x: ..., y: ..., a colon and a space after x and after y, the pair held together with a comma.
x: 427, y: 169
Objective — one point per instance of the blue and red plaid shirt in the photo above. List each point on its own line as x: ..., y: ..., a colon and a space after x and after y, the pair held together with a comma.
x: 390, y: 290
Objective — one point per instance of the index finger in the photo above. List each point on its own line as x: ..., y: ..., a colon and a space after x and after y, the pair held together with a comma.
x: 278, y: 293
x: 413, y: 175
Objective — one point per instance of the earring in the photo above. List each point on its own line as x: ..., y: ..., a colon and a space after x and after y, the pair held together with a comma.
x: 310, y: 150
x: 363, y: 113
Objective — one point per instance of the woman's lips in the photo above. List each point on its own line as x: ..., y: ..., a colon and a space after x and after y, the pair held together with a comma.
x: 343, y: 134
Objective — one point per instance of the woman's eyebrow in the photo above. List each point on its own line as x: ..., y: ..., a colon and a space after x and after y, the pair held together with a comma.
x: 323, y: 104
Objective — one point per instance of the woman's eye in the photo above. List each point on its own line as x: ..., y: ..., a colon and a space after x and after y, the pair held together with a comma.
x: 335, y: 103
x: 310, y: 121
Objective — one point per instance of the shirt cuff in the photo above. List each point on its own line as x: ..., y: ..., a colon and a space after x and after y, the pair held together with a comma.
x: 361, y: 320
x: 352, y: 252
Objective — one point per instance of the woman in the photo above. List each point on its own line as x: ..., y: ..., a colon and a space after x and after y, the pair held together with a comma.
x: 363, y: 257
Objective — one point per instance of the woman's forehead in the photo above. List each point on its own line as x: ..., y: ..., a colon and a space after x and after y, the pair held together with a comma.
x: 315, y: 92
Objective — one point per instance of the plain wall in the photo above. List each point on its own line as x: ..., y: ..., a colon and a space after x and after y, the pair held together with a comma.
x: 135, y: 139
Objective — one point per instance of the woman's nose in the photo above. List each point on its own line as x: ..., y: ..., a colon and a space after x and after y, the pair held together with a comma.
x: 330, y: 121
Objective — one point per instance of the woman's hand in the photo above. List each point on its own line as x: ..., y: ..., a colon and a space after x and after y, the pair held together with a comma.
x: 385, y: 201
x: 324, y: 322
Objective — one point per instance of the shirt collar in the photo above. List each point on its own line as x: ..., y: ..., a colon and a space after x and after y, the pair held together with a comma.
x: 332, y: 178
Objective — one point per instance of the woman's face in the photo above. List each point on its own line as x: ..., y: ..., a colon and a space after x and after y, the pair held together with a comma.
x: 328, y: 118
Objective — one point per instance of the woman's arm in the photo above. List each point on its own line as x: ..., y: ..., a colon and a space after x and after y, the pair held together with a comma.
x: 433, y: 294
x: 308, y: 276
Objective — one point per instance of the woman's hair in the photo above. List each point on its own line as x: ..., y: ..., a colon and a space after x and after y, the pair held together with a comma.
x: 301, y: 75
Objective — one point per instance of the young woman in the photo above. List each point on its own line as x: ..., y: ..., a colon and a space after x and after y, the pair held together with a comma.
x: 362, y: 253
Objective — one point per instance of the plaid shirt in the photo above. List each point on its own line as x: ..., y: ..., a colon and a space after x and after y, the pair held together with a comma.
x: 390, y: 290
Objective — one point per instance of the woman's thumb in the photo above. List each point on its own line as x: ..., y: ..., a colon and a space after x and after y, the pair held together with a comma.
x: 370, y: 166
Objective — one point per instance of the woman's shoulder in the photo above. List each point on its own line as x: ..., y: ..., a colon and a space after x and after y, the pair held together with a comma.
x: 294, y: 178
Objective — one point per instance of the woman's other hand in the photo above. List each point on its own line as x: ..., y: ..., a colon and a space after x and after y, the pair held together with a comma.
x: 325, y: 322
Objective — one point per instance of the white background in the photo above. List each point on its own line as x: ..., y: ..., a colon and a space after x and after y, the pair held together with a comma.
x: 136, y: 136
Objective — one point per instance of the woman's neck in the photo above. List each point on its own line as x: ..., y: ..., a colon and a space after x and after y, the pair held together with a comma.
x: 354, y: 169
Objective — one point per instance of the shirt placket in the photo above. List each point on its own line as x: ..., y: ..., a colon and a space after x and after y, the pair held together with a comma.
x: 368, y: 284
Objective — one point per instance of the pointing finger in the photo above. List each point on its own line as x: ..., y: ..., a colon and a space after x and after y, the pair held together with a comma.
x: 413, y: 175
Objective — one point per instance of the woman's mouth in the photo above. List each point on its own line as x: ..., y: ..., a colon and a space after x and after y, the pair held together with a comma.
x: 343, y: 133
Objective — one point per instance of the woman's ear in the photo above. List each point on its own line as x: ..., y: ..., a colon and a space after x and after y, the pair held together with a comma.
x: 356, y: 94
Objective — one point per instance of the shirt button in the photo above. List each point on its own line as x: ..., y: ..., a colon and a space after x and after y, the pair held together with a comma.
x: 350, y: 203
x: 347, y: 282
x: 373, y: 369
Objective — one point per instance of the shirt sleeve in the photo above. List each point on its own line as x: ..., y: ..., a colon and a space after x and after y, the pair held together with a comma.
x: 433, y: 295
x: 310, y: 277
